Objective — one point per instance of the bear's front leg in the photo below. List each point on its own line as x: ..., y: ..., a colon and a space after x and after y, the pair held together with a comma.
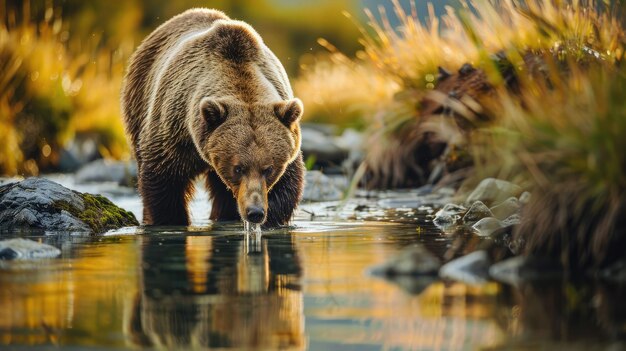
x: 223, y: 204
x: 164, y: 198
x: 286, y: 194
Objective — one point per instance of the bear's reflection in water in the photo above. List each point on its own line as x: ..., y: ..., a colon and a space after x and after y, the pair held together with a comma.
x: 213, y: 293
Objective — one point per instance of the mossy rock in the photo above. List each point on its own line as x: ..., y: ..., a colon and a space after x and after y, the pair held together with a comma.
x: 41, y: 204
x: 99, y: 213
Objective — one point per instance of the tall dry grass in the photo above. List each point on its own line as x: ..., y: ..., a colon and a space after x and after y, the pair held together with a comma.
x: 50, y: 94
x: 563, y: 138
x: 558, y: 131
x: 406, y: 59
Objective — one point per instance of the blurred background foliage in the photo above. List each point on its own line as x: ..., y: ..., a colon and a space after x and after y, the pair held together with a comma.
x: 62, y: 65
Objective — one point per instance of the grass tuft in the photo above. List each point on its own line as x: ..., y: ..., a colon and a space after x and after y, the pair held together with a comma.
x: 50, y: 93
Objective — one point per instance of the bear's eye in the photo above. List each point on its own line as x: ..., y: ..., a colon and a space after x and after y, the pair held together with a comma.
x: 238, y: 170
x: 268, y: 171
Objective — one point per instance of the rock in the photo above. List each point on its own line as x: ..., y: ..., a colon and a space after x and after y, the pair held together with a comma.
x: 37, y: 203
x: 518, y: 269
x: 445, y: 220
x: 23, y: 249
x: 448, y: 215
x: 487, y: 226
x: 321, y: 146
x: 320, y: 187
x: 524, y: 198
x: 506, y: 208
x: 492, y: 191
x: 477, y: 211
x: 470, y: 269
x: 350, y: 140
x: 78, y: 153
x: 413, y: 260
x: 454, y: 209
x: 9, y: 180
x: 324, y: 128
x: 512, y: 220
x: 107, y: 171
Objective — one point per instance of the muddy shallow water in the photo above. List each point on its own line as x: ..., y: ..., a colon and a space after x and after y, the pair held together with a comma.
x: 211, y: 286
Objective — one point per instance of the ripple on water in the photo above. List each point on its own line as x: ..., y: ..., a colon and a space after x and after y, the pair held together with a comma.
x: 220, y: 285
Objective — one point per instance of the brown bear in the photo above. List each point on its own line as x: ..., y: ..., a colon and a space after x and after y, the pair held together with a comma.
x: 203, y: 95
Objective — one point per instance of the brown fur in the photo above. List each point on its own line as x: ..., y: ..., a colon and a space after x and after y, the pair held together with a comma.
x: 204, y: 95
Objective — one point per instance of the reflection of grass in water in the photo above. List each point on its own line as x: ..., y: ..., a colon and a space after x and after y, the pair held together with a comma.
x: 49, y: 94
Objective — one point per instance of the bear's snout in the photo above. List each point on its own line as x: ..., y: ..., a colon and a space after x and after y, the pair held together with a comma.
x: 252, y: 199
x: 255, y: 214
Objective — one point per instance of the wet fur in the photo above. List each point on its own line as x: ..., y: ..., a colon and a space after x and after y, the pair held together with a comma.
x: 197, y: 55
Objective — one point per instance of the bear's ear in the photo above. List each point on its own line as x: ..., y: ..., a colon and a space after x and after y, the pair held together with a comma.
x: 289, y: 112
x: 213, y: 111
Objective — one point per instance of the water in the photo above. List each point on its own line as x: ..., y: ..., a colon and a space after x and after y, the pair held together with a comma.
x: 218, y: 286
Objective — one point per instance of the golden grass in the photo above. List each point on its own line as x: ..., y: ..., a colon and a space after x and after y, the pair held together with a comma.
x: 561, y: 134
x: 481, y: 28
x: 404, y: 61
x: 338, y: 91
x: 410, y: 54
x: 565, y: 142
x: 50, y: 94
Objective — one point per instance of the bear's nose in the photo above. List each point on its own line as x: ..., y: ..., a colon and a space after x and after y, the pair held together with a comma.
x: 255, y: 214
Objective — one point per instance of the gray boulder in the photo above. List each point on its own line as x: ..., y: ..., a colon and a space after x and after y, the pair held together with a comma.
x: 512, y: 220
x: 320, y: 187
x: 487, y: 226
x: 37, y: 203
x: 524, y: 199
x: 321, y: 146
x: 23, y: 249
x: 107, y: 171
x: 477, y: 211
x: 492, y: 191
x: 506, y: 208
x: 77, y: 153
x: 448, y: 215
x: 350, y: 140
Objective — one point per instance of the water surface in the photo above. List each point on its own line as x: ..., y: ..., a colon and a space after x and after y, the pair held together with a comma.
x: 211, y: 286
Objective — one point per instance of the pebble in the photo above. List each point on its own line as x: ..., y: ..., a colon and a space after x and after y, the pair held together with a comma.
x: 506, y: 208
x: 492, y: 191
x: 477, y: 211
x: 487, y: 226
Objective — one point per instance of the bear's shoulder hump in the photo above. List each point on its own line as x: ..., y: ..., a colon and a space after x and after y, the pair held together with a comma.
x: 235, y: 41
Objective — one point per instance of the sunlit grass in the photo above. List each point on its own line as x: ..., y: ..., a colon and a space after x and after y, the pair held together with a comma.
x: 406, y: 58
x: 565, y: 141
x: 33, y: 99
x: 559, y: 132
x: 413, y: 51
x: 50, y: 94
x: 338, y: 91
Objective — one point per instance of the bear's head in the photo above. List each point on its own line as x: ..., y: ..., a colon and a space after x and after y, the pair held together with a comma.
x: 249, y: 147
